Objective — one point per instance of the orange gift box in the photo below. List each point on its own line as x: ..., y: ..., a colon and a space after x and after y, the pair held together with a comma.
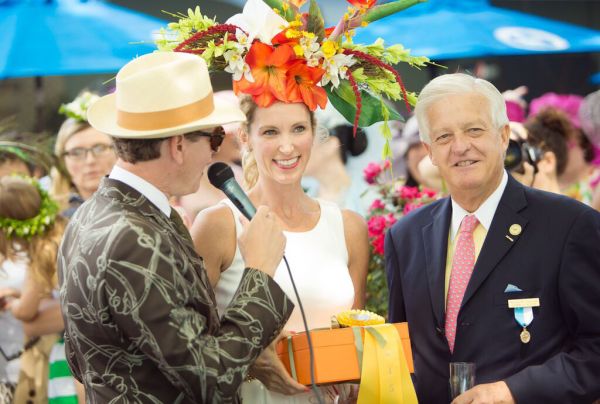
x: 335, y: 356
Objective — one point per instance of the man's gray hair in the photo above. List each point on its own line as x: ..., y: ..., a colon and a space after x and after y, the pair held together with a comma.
x: 458, y: 83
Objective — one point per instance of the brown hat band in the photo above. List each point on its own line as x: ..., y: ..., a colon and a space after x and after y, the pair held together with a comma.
x: 167, y: 118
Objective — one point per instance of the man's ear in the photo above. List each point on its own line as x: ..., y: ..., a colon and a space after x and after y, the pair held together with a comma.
x: 175, y: 147
x: 429, y: 153
x: 505, y: 136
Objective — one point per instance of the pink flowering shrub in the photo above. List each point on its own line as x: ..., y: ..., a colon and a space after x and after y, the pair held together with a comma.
x: 394, y: 201
x: 371, y: 172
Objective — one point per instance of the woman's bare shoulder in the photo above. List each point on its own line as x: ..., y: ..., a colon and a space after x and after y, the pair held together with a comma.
x: 213, y: 222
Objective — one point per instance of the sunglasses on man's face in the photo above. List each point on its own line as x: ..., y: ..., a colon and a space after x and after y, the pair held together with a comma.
x: 216, y: 137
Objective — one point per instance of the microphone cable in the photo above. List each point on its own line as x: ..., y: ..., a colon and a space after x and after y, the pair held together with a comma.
x: 314, y: 386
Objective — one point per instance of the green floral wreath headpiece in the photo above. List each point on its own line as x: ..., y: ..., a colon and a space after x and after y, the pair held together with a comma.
x: 32, y: 226
x: 77, y: 109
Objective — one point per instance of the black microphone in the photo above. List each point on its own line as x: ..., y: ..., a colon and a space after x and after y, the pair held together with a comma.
x: 221, y: 176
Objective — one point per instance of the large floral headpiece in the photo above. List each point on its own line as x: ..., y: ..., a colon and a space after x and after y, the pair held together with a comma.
x: 277, y: 53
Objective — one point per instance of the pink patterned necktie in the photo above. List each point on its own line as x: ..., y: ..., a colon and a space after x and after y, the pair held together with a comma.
x: 462, y: 268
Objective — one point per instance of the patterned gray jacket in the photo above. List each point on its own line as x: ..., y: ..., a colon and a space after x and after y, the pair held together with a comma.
x: 141, y: 324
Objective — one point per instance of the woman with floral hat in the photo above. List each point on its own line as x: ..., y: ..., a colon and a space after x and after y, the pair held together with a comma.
x: 85, y: 155
x: 327, y: 248
x: 285, y: 64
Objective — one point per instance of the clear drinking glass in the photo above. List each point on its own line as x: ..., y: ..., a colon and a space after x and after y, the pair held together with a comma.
x: 462, y: 377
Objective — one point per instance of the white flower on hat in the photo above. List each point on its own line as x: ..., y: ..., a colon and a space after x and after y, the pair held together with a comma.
x: 259, y: 21
x: 237, y: 66
x: 336, y: 68
x: 242, y: 39
x: 310, y: 46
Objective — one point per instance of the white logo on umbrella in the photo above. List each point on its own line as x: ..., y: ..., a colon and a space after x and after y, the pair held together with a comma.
x: 530, y: 39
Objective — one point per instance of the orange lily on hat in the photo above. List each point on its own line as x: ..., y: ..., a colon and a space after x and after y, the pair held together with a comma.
x: 269, y: 66
x: 302, y: 85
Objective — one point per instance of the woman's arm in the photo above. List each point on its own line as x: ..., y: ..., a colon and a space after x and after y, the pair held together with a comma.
x: 357, y: 243
x: 48, y: 320
x: 215, y: 240
x: 25, y: 308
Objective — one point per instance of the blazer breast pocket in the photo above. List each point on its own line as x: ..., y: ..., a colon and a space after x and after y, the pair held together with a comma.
x: 501, y: 299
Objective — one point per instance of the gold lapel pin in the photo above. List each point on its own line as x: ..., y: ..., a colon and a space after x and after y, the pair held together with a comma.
x: 515, y: 229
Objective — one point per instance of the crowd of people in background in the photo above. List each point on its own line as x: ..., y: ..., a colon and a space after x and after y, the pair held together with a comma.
x: 556, y: 140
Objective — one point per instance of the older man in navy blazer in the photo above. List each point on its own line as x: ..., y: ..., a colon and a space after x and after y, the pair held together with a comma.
x: 497, y: 274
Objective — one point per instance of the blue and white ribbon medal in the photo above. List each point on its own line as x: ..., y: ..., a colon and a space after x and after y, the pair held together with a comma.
x: 524, y: 316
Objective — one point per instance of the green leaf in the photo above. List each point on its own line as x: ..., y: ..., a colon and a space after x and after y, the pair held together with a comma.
x: 342, y: 98
x: 315, y: 23
x: 390, y: 8
x: 284, y: 10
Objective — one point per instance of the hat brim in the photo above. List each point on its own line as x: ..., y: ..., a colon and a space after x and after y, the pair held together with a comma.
x: 102, y: 115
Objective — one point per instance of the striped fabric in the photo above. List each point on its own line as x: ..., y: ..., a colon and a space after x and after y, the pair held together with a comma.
x: 61, y: 387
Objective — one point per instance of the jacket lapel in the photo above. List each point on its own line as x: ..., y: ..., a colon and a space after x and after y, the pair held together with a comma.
x: 128, y: 195
x: 125, y: 194
x: 497, y: 244
x: 435, y: 239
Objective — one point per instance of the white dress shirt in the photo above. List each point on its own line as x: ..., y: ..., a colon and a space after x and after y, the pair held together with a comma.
x: 484, y: 214
x: 153, y: 194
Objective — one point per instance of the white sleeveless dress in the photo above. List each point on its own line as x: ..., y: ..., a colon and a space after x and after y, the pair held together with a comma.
x: 318, y: 259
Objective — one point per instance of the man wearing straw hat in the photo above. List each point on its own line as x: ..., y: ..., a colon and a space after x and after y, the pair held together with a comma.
x: 140, y: 318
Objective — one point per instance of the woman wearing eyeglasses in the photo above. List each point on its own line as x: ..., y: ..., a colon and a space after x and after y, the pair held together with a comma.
x: 84, y: 154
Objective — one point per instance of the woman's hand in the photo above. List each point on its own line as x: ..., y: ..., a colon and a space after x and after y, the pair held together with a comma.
x: 271, y: 372
x: 262, y: 242
x: 7, y: 295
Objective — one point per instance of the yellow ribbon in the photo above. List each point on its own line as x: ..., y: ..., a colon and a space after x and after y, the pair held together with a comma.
x: 290, y: 348
x: 384, y: 376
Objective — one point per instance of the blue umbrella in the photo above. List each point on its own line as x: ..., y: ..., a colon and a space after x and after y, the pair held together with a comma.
x: 452, y: 29
x: 64, y: 37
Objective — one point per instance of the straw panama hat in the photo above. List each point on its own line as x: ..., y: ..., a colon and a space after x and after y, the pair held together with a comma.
x: 159, y: 95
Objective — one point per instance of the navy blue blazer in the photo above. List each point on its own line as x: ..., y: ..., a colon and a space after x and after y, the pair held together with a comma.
x: 556, y: 258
